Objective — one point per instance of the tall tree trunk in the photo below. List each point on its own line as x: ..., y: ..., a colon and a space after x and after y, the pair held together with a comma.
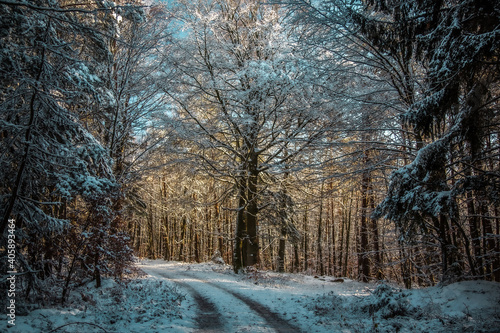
x: 281, y: 251
x: 283, y: 216
x: 97, y: 272
x: 377, y: 262
x: 333, y: 243
x: 196, y: 248
x: 320, y: 229
x: 296, y: 265
x: 448, y: 251
x: 181, y: 256
x: 488, y: 240
x: 404, y: 254
x: 348, y: 237
x: 306, y: 238
x: 363, y: 259
x: 474, y: 233
x: 191, y: 242
x: 341, y: 240
x: 251, y: 214
x: 239, y: 252
x: 173, y: 238
x: 166, y: 246
x: 496, y: 262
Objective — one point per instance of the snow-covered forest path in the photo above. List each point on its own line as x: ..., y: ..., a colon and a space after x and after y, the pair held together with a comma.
x: 176, y: 297
x: 221, y: 303
x: 217, y: 300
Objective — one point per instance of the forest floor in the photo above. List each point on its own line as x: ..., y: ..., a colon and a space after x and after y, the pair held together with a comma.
x: 180, y: 297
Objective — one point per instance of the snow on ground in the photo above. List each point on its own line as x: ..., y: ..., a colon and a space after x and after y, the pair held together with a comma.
x: 181, y: 297
x: 139, y: 305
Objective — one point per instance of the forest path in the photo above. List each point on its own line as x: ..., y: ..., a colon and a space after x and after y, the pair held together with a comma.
x: 222, y: 304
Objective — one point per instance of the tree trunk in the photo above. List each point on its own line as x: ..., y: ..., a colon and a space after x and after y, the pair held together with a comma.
x: 166, y: 246
x: 363, y: 259
x: 181, y: 256
x: 296, y: 258
x: 377, y: 262
x: 196, y: 248
x: 306, y: 237
x: 333, y: 243
x: 97, y: 272
x: 320, y: 229
x: 239, y: 252
x: 348, y: 237
x: 405, y: 265
x: 496, y: 262
x: 474, y: 233
x: 281, y: 252
x: 251, y: 214
x: 341, y: 240
x: 488, y: 240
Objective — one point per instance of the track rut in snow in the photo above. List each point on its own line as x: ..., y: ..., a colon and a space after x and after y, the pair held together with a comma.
x: 208, y: 317
x: 274, y: 320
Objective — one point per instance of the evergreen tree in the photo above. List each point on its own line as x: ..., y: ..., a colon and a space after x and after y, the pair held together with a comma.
x: 52, y: 166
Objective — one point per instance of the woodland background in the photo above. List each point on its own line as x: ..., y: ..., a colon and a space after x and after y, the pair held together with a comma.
x: 337, y: 137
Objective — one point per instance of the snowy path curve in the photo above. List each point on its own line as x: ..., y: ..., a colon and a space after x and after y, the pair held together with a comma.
x: 208, y: 317
x: 272, y: 318
x: 221, y: 304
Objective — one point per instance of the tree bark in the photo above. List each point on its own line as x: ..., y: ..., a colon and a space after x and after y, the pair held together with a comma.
x: 320, y: 229
x: 363, y: 259
x: 251, y: 215
x: 239, y: 252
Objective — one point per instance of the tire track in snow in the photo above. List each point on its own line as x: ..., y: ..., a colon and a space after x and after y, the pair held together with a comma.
x: 274, y: 320
x: 208, y: 317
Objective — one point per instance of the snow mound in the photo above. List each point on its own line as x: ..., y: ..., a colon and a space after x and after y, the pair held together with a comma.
x: 470, y: 306
x: 134, y: 306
